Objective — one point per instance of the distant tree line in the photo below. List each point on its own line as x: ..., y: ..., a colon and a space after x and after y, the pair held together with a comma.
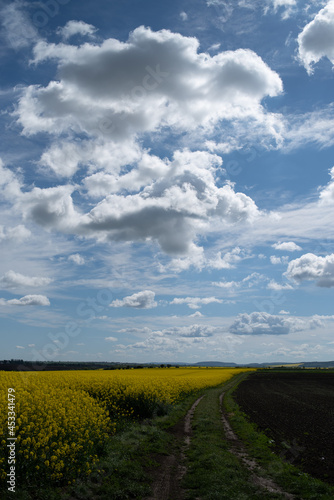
x: 21, y: 365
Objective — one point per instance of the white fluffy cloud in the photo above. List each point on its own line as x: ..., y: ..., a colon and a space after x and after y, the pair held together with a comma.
x: 155, y: 79
x: 262, y: 323
x: 27, y: 300
x: 259, y: 323
x: 286, y: 246
x: 278, y: 260
x: 77, y: 259
x: 229, y: 259
x: 113, y: 93
x: 327, y: 194
x: 195, y: 302
x: 72, y: 28
x: 190, y: 331
x: 175, y: 339
x: 312, y: 267
x: 66, y: 157
x: 140, y: 300
x: 11, y: 279
x: 173, y: 202
x: 51, y: 208
x: 317, y: 38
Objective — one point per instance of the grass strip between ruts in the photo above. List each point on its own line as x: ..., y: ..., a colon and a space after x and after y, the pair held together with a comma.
x: 213, y: 472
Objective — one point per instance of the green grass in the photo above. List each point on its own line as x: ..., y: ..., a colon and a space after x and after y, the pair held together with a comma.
x: 213, y: 472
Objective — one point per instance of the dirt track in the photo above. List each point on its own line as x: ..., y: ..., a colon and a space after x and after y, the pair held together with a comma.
x: 167, y: 478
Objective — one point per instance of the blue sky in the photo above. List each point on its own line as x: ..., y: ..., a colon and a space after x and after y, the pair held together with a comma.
x: 167, y: 180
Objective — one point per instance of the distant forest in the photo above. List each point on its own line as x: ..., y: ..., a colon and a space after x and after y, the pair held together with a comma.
x: 21, y: 365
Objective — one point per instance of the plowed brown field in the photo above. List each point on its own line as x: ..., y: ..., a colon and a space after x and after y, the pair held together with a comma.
x: 295, y: 410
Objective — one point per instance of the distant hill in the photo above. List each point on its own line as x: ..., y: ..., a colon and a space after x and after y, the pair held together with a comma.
x: 319, y: 364
x: 306, y: 364
x: 214, y: 363
x: 21, y: 365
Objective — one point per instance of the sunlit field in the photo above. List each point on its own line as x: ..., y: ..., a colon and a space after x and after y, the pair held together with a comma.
x: 61, y: 420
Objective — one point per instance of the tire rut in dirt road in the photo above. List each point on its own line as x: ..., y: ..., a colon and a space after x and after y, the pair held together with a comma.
x: 238, y: 449
x: 167, y: 478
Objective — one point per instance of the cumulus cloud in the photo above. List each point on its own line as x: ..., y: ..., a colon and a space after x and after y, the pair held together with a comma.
x: 51, y: 208
x: 77, y: 259
x: 111, y: 339
x: 62, y: 158
x: 262, y: 323
x: 180, y: 339
x: 228, y: 260
x: 317, y: 38
x: 72, y: 28
x: 141, y: 197
x: 196, y: 314
x: 140, y: 300
x: 172, y: 209
x: 195, y: 302
x: 196, y: 257
x: 190, y: 331
x: 174, y: 200
x: 327, y: 193
x: 259, y: 323
x: 27, y: 300
x: 174, y: 339
x: 312, y: 267
x: 286, y: 246
x: 278, y: 260
x: 11, y: 279
x: 155, y: 79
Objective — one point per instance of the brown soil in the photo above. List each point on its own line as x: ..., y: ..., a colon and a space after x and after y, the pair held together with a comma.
x: 295, y: 410
x: 167, y: 477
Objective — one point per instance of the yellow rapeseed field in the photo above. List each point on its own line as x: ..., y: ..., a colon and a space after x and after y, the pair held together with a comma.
x: 62, y: 419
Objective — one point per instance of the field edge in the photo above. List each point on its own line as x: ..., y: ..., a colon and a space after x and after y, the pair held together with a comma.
x: 258, y: 444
